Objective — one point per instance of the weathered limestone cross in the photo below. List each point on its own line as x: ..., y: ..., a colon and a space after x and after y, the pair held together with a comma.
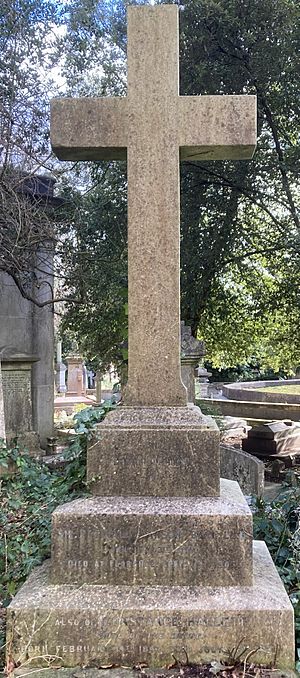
x: 154, y: 127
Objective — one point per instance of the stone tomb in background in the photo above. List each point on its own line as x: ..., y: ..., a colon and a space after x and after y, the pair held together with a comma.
x: 160, y: 557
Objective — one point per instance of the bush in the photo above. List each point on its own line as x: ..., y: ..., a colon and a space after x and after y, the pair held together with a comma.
x: 29, y: 495
x: 278, y: 524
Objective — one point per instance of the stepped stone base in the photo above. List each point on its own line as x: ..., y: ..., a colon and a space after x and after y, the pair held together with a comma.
x: 155, y: 451
x: 149, y: 540
x: 127, y: 625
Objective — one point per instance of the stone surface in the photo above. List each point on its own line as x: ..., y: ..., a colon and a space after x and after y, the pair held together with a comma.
x: 119, y: 672
x: 2, y: 420
x: 153, y: 122
x: 16, y: 371
x: 131, y: 624
x: 28, y: 326
x: 60, y: 377
x: 75, y: 375
x: 155, y: 452
x: 164, y: 541
x: 255, y: 410
x: 229, y: 423
x: 254, y: 391
x: 192, y: 351
x: 273, y: 438
x: 268, y: 431
x: 244, y: 468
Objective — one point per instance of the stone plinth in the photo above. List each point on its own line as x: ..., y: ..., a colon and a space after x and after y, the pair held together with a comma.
x: 78, y: 625
x: 150, y: 540
x: 156, y: 451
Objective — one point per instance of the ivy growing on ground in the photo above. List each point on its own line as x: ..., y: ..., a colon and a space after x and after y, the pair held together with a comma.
x: 278, y: 524
x: 29, y: 496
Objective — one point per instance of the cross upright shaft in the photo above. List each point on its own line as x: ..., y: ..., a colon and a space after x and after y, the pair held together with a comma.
x: 153, y: 123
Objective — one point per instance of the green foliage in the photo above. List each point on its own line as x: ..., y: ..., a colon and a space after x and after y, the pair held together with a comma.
x: 252, y: 371
x: 278, y: 524
x: 29, y: 493
x: 239, y: 223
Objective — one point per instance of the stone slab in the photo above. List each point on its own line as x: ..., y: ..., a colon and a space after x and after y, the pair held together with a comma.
x: 131, y: 624
x: 155, y: 451
x: 150, y: 540
x: 244, y: 468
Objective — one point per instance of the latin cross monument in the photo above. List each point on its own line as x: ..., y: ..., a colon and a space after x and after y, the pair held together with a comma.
x: 161, y: 555
x: 153, y: 127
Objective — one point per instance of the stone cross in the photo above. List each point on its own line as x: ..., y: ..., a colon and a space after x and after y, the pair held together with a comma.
x: 154, y: 128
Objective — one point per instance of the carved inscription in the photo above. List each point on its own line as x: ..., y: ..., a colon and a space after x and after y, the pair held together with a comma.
x: 87, y: 636
x: 17, y: 400
x: 105, y: 555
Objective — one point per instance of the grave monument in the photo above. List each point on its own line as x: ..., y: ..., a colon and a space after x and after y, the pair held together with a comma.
x: 17, y: 391
x: 160, y: 556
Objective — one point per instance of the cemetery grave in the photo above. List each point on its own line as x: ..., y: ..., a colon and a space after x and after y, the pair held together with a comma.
x: 162, y: 554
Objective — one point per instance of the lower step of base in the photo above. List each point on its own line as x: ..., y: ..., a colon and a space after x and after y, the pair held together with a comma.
x: 73, y: 625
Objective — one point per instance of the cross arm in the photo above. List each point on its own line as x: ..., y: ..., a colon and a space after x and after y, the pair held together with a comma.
x: 217, y: 127
x: 89, y: 128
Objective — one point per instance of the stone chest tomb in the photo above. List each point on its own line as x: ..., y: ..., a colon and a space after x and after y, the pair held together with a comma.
x: 160, y: 556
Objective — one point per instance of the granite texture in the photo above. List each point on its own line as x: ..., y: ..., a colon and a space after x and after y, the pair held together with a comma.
x: 189, y: 417
x: 150, y: 540
x: 155, y: 452
x: 153, y: 122
x: 127, y: 625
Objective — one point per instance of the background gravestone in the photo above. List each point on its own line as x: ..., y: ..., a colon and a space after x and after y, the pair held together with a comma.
x: 16, y: 371
x: 244, y: 468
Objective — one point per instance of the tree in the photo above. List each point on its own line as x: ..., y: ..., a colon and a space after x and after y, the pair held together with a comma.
x: 27, y: 55
x: 240, y: 226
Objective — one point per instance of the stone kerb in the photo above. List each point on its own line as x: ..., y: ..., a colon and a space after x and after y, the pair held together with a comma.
x: 251, y: 390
